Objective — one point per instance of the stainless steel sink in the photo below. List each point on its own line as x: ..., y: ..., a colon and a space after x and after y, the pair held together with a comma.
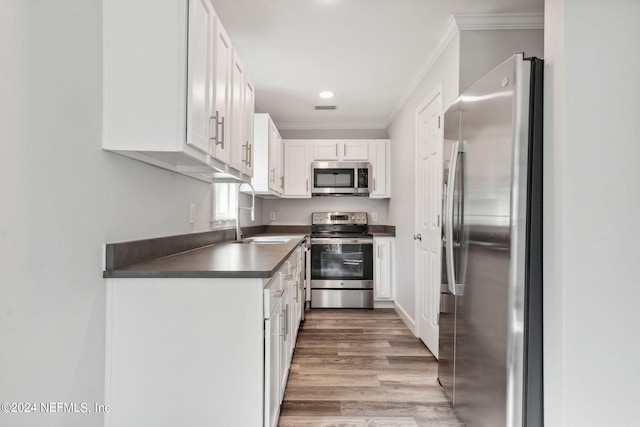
x: 263, y: 240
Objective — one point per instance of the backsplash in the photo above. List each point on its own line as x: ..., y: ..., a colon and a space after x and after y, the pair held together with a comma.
x: 298, y: 211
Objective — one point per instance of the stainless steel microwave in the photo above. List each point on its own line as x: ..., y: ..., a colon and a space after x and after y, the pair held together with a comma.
x: 340, y: 178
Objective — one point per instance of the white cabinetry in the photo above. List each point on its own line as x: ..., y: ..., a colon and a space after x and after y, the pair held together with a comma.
x: 340, y: 150
x: 249, y: 110
x: 285, y: 338
x: 196, y: 351
x: 167, y: 95
x: 173, y: 353
x: 199, y: 77
x: 380, y: 169
x: 268, y: 178
x: 272, y: 348
x: 240, y: 140
x: 297, y: 169
x: 221, y: 150
x: 383, y: 274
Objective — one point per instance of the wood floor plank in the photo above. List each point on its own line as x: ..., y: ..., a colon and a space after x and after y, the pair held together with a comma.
x: 323, y: 421
x: 354, y: 368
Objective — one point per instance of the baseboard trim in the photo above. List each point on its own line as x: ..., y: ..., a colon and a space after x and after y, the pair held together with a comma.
x: 405, y: 317
x: 383, y: 304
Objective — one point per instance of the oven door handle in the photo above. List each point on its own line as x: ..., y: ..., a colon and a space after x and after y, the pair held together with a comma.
x: 340, y: 241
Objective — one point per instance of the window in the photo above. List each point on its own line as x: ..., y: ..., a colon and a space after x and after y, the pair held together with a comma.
x: 224, y: 200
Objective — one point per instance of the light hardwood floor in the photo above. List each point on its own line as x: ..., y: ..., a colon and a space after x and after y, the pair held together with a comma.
x: 355, y: 368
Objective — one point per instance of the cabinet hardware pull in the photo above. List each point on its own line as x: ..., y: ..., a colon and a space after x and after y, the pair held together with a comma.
x: 374, y: 184
x: 219, y: 130
x: 213, y: 120
x: 306, y: 185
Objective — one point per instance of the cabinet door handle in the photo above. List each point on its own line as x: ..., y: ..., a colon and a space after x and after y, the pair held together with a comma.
x: 374, y: 184
x: 246, y: 153
x: 344, y: 150
x: 213, y: 121
x: 306, y: 185
x: 219, y: 130
x: 250, y: 150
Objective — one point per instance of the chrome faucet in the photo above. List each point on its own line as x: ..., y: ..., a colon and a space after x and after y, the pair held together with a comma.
x: 252, y: 208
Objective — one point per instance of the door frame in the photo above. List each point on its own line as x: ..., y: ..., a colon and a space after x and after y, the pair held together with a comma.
x: 437, y: 91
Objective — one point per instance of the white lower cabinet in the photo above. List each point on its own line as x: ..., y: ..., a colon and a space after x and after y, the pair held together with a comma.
x: 383, y: 273
x: 272, y: 349
x: 285, y: 340
x: 196, y: 351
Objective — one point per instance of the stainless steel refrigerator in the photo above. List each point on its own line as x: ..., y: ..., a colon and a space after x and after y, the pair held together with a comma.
x: 491, y: 312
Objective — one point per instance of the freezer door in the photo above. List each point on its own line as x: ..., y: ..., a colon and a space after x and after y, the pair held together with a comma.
x: 489, y: 316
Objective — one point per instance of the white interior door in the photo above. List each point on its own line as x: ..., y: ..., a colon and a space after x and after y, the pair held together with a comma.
x: 428, y: 220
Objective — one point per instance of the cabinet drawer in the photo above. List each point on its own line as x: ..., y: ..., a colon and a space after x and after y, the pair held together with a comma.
x: 272, y: 294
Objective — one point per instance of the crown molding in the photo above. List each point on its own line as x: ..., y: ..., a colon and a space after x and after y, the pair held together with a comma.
x: 447, y: 36
x: 499, y: 21
x: 466, y: 22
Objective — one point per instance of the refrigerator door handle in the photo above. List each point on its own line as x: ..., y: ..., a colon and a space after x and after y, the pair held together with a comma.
x: 448, y: 229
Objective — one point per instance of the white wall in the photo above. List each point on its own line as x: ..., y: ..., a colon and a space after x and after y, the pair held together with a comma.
x: 592, y: 206
x: 63, y: 197
x: 402, y: 133
x: 469, y: 56
x: 483, y: 50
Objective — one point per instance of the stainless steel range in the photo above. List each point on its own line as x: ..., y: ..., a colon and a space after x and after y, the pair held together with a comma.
x: 341, y: 260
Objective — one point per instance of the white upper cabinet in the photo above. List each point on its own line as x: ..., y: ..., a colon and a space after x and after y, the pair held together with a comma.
x: 237, y: 120
x: 276, y: 160
x: 222, y: 94
x: 247, y: 117
x: 340, y: 150
x: 380, y: 169
x: 200, y: 76
x: 167, y: 89
x: 241, y: 126
x: 376, y: 152
x: 267, y: 178
x: 297, y: 169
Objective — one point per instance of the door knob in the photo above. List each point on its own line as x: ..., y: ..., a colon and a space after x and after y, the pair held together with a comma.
x: 417, y: 236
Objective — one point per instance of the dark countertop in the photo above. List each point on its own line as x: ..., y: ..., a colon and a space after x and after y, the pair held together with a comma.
x: 220, y: 260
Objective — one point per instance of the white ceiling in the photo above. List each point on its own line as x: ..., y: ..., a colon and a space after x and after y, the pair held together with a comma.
x: 367, y: 51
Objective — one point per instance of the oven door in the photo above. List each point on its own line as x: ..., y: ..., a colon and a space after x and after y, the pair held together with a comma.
x: 341, y: 260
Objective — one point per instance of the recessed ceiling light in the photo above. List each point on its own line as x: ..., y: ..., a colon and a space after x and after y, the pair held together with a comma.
x: 326, y: 94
